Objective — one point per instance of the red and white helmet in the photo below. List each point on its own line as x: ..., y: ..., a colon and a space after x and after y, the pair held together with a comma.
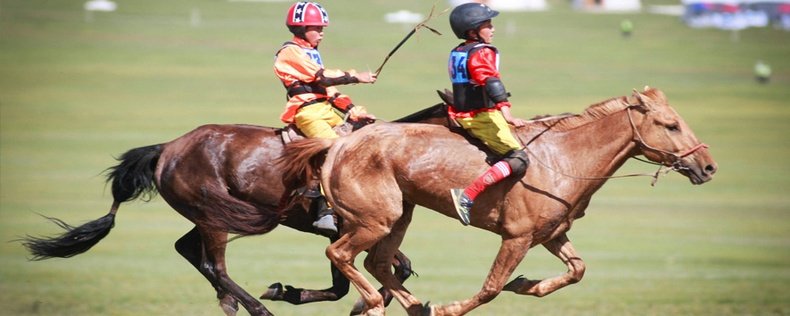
x: 307, y: 14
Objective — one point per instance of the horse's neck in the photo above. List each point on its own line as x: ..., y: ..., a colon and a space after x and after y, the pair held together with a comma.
x: 596, y: 149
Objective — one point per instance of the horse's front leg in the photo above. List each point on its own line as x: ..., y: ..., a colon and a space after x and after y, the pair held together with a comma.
x: 511, y: 252
x: 563, y: 249
x: 297, y: 296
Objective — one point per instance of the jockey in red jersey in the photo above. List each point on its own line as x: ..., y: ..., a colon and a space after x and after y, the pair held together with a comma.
x: 480, y: 100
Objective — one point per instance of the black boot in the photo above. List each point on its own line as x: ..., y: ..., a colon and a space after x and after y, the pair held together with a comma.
x: 325, y: 219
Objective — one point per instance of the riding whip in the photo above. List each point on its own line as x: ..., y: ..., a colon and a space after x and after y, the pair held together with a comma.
x: 414, y: 30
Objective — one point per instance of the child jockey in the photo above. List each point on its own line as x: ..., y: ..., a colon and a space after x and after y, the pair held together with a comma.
x: 480, y: 100
x: 312, y: 96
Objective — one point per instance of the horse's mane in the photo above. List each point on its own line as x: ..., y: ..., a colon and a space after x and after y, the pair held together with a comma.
x: 592, y: 113
x: 433, y: 111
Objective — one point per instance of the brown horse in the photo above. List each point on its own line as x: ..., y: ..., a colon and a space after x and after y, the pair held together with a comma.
x: 376, y: 176
x: 223, y: 179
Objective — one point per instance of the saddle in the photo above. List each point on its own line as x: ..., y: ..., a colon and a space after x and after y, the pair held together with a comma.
x: 290, y: 133
x: 447, y: 98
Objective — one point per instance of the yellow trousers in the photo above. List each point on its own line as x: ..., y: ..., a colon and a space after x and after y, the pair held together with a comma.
x: 317, y: 120
x: 492, y: 129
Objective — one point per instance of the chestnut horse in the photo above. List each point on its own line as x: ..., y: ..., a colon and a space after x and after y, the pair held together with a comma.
x: 223, y: 179
x: 376, y: 176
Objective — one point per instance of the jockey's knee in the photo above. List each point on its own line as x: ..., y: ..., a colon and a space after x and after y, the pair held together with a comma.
x: 518, y: 160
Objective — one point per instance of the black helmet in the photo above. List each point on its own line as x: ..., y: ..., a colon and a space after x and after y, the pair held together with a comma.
x: 469, y: 16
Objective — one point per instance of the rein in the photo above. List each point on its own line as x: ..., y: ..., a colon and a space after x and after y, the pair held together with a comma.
x: 654, y: 175
x: 676, y: 165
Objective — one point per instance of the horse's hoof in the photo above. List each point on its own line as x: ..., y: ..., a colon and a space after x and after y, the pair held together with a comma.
x: 359, y: 308
x: 229, y: 306
x: 274, y: 293
x: 290, y: 294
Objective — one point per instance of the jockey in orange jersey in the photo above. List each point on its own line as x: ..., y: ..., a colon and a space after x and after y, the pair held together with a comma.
x: 312, y: 96
x: 480, y: 100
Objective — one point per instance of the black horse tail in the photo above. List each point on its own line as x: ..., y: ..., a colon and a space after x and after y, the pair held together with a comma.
x: 131, y: 179
x: 134, y: 176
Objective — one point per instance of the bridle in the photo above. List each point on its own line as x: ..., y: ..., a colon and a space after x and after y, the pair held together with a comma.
x: 676, y: 165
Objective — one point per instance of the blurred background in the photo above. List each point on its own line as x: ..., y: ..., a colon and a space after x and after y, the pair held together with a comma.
x: 82, y: 82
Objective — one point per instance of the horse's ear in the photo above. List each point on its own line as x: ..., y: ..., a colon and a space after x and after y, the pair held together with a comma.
x: 636, y: 97
x: 446, y: 96
x: 641, y: 101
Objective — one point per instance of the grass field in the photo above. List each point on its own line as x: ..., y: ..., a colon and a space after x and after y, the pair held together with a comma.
x: 73, y: 94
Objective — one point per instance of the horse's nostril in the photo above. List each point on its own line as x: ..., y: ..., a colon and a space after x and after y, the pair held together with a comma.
x: 710, y: 169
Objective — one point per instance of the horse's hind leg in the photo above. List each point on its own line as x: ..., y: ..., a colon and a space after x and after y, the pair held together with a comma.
x: 190, y: 246
x: 342, y: 254
x: 402, y: 267
x: 206, y: 252
x: 563, y: 249
x: 379, y: 260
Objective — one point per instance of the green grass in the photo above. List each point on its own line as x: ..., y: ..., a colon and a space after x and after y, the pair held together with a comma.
x: 74, y: 94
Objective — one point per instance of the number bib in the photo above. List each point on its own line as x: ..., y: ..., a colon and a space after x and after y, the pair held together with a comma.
x: 315, y: 56
x: 456, y: 66
x: 467, y: 95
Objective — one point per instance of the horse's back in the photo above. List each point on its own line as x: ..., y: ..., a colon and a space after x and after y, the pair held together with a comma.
x: 396, y: 140
x: 228, y: 140
x: 415, y: 141
x: 421, y: 161
x: 230, y: 157
x: 223, y: 132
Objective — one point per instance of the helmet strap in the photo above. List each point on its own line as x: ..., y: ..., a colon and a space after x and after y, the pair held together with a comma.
x: 477, y: 36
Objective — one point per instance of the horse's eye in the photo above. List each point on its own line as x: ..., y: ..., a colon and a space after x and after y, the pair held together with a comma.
x: 673, y: 128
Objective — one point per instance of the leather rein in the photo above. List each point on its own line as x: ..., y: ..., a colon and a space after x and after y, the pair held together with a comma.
x: 676, y: 165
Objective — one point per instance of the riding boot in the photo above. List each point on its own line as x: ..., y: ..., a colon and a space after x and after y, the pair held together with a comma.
x: 325, y: 220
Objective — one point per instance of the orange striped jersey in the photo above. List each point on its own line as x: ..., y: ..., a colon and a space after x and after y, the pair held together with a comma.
x: 300, y: 68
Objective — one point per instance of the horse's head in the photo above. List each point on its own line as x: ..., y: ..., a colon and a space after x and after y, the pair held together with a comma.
x: 664, y: 137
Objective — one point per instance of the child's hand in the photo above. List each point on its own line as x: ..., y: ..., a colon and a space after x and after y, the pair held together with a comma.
x: 366, y: 77
x: 517, y: 122
x: 366, y: 118
x: 360, y: 114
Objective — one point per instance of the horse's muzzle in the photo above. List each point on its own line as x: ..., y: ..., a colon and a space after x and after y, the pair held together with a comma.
x: 697, y: 172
